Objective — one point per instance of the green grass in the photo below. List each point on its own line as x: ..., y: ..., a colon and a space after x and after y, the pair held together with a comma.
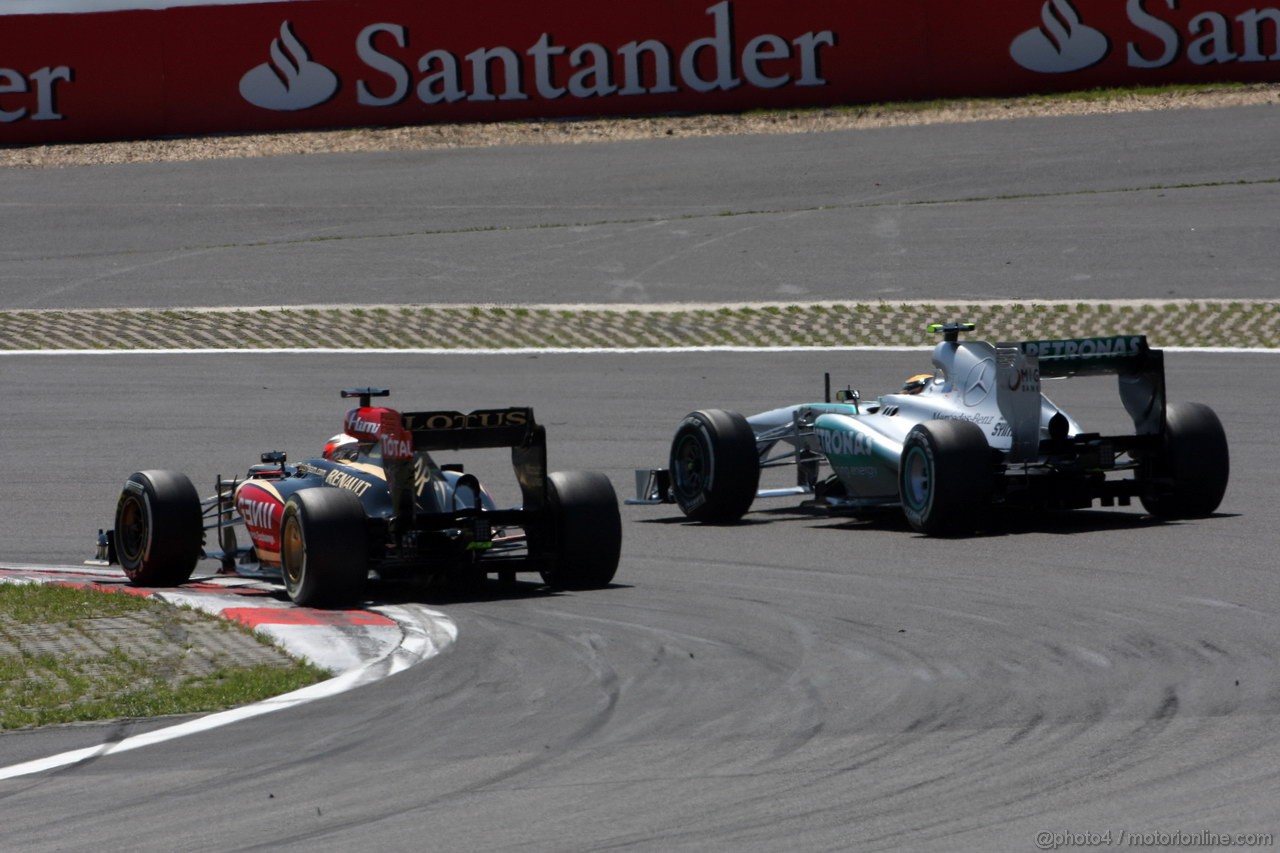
x: 60, y: 665
x: 37, y: 604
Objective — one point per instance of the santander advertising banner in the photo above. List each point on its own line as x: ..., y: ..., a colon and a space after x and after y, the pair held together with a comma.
x: 112, y: 69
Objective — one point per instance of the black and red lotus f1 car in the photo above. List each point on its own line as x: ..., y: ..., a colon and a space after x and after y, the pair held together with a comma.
x: 376, y: 501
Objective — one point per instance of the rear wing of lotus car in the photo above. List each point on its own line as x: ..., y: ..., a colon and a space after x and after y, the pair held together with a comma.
x: 448, y: 430
x: 1020, y: 366
x: 487, y: 428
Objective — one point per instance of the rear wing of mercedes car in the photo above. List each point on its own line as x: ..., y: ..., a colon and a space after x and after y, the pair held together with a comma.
x: 1139, y: 371
x: 1124, y: 355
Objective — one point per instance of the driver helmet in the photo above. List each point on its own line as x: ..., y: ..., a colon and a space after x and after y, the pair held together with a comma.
x: 917, y: 383
x: 341, y: 448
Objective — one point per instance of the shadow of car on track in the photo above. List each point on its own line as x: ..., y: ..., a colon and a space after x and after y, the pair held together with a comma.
x: 1000, y: 523
x: 689, y: 522
x: 436, y: 592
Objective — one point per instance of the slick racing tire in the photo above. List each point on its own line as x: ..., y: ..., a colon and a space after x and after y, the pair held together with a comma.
x: 323, y: 548
x: 159, y: 529
x: 1189, y: 477
x: 715, y: 467
x: 944, y: 478
x: 583, y: 540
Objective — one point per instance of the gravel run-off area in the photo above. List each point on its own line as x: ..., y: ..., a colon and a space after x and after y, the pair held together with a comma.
x: 431, y: 136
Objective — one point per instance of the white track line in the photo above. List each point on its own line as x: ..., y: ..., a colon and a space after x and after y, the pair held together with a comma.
x: 554, y: 351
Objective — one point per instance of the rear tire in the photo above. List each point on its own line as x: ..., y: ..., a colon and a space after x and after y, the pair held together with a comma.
x: 944, y: 478
x: 1189, y: 477
x: 323, y: 548
x: 585, y: 531
x: 159, y: 528
x: 715, y: 467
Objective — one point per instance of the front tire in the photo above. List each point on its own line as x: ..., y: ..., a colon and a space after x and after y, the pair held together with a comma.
x: 159, y: 528
x: 1189, y: 477
x: 323, y: 548
x: 585, y: 531
x: 944, y: 477
x: 715, y: 467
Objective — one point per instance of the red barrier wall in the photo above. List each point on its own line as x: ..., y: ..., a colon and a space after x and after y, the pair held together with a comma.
x: 331, y: 63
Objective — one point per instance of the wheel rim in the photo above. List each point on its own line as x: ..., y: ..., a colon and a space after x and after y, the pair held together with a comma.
x: 132, y: 536
x: 916, y: 479
x: 293, y: 552
x: 690, y: 472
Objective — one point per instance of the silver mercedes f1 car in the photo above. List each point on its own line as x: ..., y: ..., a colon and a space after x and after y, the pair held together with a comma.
x: 975, y: 433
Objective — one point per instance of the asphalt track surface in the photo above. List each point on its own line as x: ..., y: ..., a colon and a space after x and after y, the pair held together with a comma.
x: 1177, y: 204
x: 794, y: 682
